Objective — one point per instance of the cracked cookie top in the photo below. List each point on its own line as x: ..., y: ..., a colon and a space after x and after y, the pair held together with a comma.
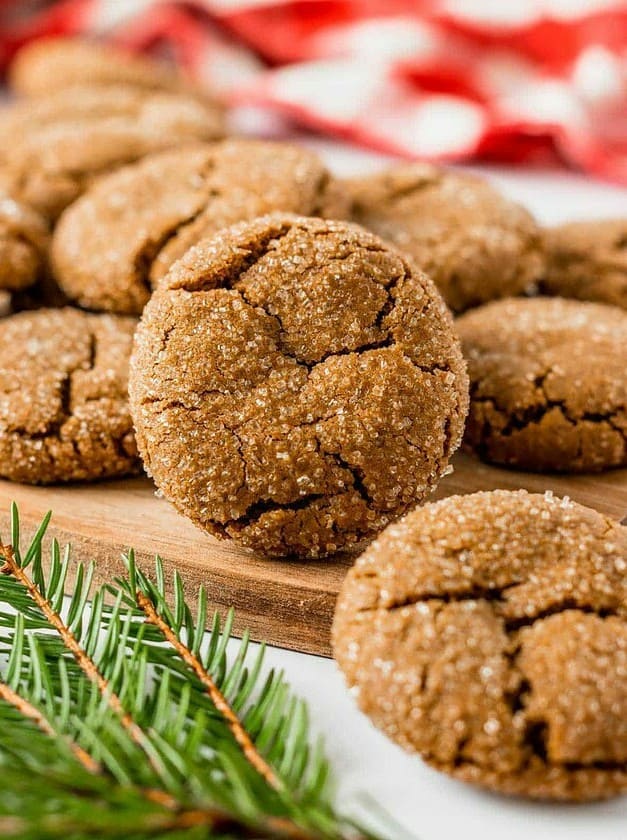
x: 23, y: 245
x: 587, y: 261
x: 488, y: 633
x: 113, y: 245
x: 475, y: 244
x: 52, y: 148
x: 47, y: 65
x: 296, y: 385
x: 63, y: 397
x: 548, y: 387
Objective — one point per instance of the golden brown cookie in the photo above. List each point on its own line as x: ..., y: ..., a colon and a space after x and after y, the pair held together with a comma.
x: 48, y: 65
x: 488, y: 633
x: 587, y: 261
x: 548, y: 386
x: 474, y: 243
x: 24, y: 240
x: 114, y: 244
x: 63, y: 397
x: 295, y: 385
x: 52, y: 148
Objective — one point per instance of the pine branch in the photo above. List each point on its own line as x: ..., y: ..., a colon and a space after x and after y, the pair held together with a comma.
x: 154, y: 732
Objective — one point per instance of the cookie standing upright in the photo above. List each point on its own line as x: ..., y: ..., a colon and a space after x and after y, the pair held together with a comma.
x: 295, y: 385
x: 548, y: 384
x: 587, y: 260
x: 488, y: 633
x: 64, y: 412
x: 52, y: 148
x: 474, y: 243
x: 114, y: 244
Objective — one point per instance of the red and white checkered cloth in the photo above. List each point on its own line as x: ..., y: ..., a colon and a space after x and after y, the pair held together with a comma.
x: 508, y: 80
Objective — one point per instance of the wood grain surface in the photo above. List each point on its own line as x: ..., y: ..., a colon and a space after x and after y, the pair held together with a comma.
x: 286, y: 603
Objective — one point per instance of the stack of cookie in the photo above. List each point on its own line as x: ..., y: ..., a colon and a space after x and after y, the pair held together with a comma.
x: 297, y: 383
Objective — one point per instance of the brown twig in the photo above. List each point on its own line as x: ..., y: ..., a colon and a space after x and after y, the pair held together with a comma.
x: 217, y: 698
x: 84, y: 661
x: 29, y: 711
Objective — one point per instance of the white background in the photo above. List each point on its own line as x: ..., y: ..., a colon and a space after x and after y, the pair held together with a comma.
x: 427, y: 804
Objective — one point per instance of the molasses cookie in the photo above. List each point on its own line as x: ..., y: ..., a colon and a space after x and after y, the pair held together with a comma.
x: 488, y: 633
x: 48, y: 65
x: 52, y: 148
x: 114, y: 244
x: 23, y: 245
x: 63, y: 397
x: 548, y: 386
x: 474, y: 243
x: 296, y: 385
x: 587, y: 261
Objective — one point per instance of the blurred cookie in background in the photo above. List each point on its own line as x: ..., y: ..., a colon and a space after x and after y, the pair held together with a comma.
x: 52, y: 148
x: 476, y: 244
x: 24, y: 242
x: 5, y: 303
x: 48, y: 65
x: 587, y: 260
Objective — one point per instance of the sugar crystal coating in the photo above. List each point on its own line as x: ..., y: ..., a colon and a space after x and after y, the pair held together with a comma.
x: 295, y: 385
x: 488, y: 633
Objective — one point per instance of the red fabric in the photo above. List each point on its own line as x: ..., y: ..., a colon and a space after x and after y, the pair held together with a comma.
x: 435, y: 79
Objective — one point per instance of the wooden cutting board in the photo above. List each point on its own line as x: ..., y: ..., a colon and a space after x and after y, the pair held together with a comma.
x: 289, y: 604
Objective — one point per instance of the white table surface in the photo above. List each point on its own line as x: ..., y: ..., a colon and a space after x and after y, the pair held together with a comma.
x: 428, y: 805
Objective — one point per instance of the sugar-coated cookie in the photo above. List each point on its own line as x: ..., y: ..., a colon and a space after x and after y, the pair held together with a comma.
x: 296, y: 385
x: 488, y: 633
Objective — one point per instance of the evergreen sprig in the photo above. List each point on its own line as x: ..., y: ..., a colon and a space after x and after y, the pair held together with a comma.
x: 120, y: 717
